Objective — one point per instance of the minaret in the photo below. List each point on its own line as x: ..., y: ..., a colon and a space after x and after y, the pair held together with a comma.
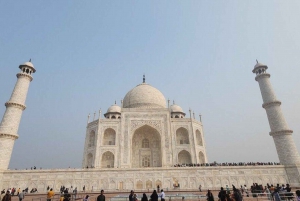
x: 282, y: 135
x: 11, y: 119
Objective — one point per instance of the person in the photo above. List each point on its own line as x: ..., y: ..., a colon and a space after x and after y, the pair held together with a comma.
x: 227, y: 189
x: 83, y: 188
x: 276, y: 195
x: 135, y: 197
x: 200, y: 188
x: 13, y: 190
x: 61, y: 197
x: 268, y: 193
x: 131, y: 195
x: 67, y: 197
x: 289, y: 194
x: 18, y: 192
x: 66, y: 191
x: 154, y: 196
x: 48, y: 188
x: 209, y: 195
x: 2, y: 194
x: 75, y: 193
x: 237, y: 194
x: 162, y: 195
x: 246, y: 190
x: 229, y: 197
x: 101, y: 197
x: 242, y: 189
x: 298, y: 195
x: 7, y: 196
x: 21, y: 195
x: 272, y: 189
x: 222, y: 194
x: 86, y: 198
x: 144, y: 198
x: 50, y: 194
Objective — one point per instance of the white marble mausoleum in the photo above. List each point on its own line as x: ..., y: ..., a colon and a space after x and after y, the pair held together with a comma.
x: 143, y: 132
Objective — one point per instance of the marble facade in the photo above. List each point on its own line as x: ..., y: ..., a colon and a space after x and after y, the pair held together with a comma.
x: 142, y: 179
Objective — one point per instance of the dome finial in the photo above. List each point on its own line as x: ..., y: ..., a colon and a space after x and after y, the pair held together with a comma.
x: 256, y: 61
x: 144, y: 79
x: 115, y: 102
x: 30, y: 60
x: 173, y: 102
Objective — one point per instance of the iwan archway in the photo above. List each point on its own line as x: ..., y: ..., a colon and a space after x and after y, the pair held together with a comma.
x: 146, y: 148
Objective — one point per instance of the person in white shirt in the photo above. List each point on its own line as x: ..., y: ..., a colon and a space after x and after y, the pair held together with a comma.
x: 246, y: 190
x: 162, y: 195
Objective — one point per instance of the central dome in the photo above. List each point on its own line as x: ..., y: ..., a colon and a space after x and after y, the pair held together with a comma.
x: 144, y: 96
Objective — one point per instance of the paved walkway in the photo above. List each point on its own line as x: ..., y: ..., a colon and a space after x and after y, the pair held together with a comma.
x: 123, y: 196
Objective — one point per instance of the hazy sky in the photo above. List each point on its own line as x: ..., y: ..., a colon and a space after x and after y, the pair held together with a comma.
x: 198, y: 53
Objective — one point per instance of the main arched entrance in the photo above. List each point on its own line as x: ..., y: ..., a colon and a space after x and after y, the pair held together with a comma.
x: 146, y: 148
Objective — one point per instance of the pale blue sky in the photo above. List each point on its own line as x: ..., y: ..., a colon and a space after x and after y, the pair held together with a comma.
x: 199, y: 53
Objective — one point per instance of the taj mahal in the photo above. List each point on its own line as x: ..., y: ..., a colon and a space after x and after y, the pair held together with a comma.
x: 137, y: 144
x: 143, y: 132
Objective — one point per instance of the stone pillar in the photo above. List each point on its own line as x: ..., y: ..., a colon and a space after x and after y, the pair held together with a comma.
x: 11, y: 119
x: 282, y: 135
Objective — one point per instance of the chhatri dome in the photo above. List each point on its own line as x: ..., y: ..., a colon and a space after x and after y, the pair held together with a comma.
x: 114, y: 108
x: 113, y: 112
x: 176, y: 108
x: 144, y: 96
x: 28, y: 64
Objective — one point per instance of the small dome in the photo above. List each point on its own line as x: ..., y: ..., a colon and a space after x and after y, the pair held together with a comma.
x: 144, y: 96
x: 176, y: 108
x: 28, y: 64
x: 114, y: 109
x: 259, y: 65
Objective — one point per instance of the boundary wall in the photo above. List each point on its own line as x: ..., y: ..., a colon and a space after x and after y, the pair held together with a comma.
x: 189, y: 178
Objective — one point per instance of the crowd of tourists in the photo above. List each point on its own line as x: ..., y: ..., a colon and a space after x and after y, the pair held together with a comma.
x: 65, y: 193
x: 6, y: 195
x: 225, y: 164
x: 271, y: 192
x: 276, y: 193
x: 13, y: 191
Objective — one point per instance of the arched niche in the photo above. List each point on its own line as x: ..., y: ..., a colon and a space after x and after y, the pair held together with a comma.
x: 139, y: 185
x: 201, y: 157
x: 158, y: 183
x: 146, y: 147
x: 92, y: 137
x: 182, y: 136
x: 148, y: 184
x: 199, y: 138
x: 109, y: 137
x: 184, y: 157
x: 89, y: 160
x: 107, y: 160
